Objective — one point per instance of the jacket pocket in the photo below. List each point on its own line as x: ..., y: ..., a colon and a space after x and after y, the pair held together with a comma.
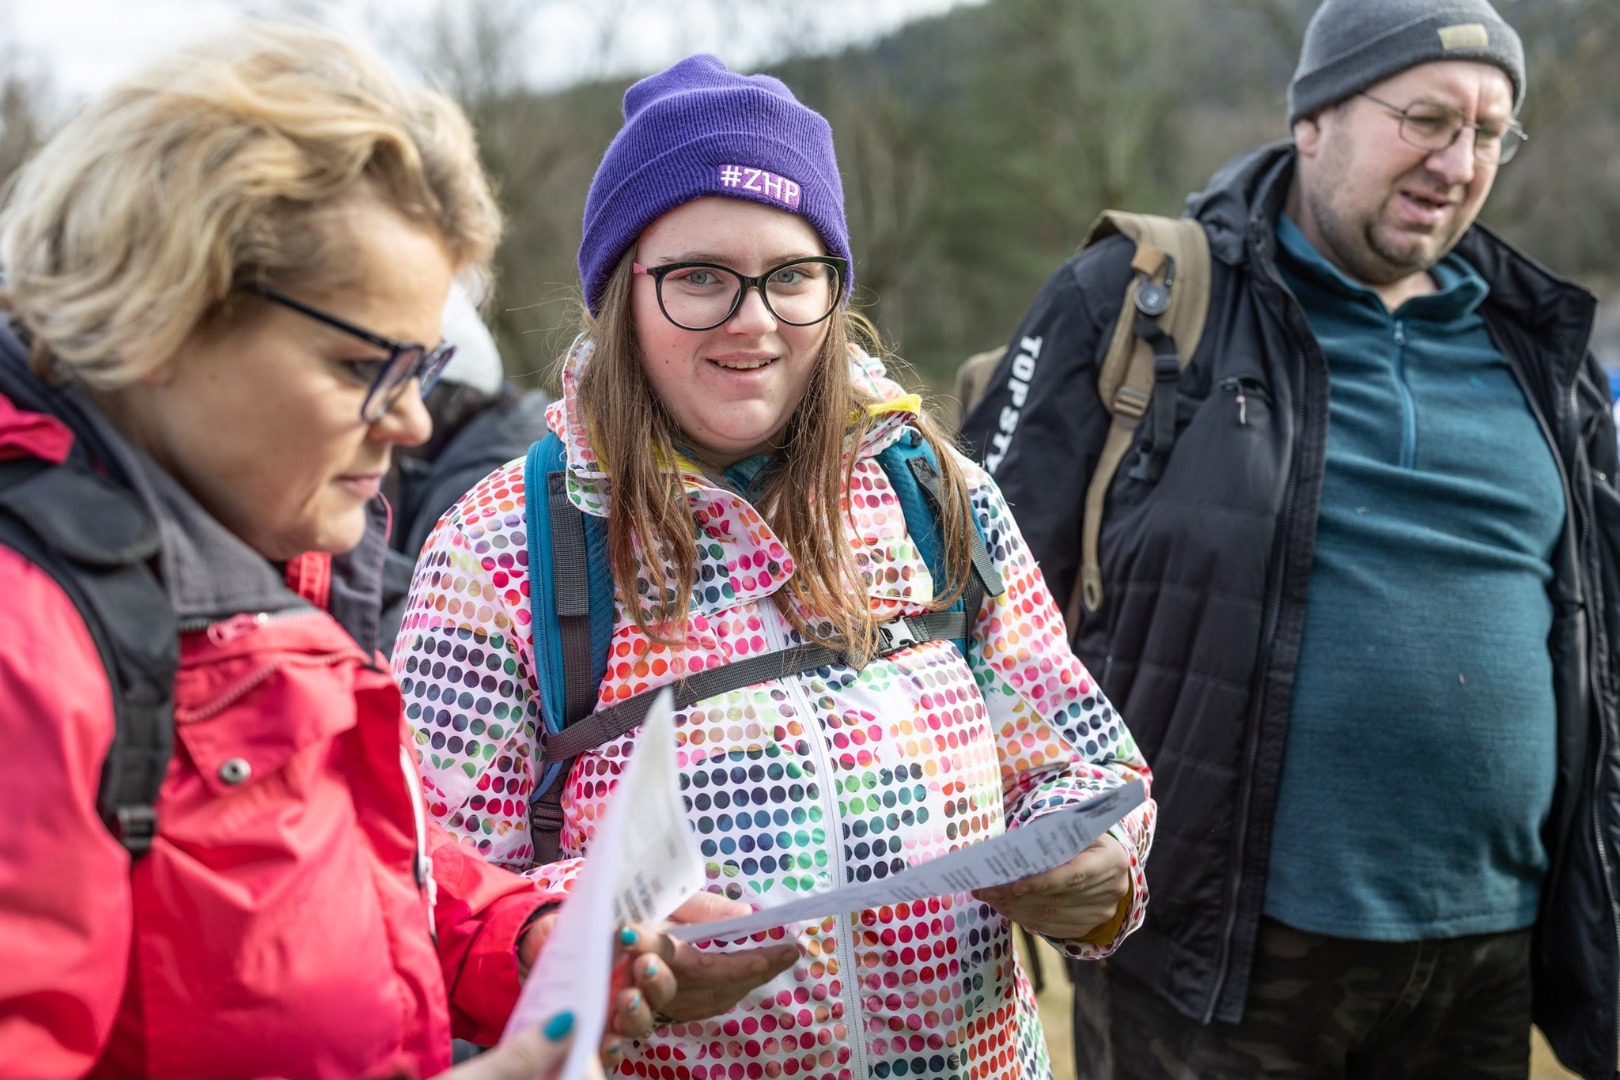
x: 260, y: 721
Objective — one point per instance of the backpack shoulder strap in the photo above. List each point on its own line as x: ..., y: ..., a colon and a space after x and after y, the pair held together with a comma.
x: 913, y: 473
x: 94, y: 539
x: 1160, y: 324
x: 571, y: 615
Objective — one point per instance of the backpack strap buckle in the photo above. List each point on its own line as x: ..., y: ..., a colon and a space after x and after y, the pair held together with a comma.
x: 898, y: 634
x: 1132, y: 402
x: 134, y: 827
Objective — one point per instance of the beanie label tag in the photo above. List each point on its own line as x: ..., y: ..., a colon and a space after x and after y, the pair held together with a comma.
x: 778, y: 189
x: 1464, y: 36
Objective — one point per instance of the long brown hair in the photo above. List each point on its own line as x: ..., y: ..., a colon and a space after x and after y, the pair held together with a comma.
x: 650, y: 525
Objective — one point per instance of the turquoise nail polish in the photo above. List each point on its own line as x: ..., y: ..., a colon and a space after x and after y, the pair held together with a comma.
x: 652, y: 968
x: 558, y: 1027
x: 634, y: 1003
x: 628, y: 937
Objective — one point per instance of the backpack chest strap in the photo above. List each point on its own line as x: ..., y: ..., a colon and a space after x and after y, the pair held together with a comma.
x: 605, y: 725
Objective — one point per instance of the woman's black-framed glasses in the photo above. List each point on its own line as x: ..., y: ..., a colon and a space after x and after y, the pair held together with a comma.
x: 406, y: 359
x: 702, y: 295
x: 1434, y: 127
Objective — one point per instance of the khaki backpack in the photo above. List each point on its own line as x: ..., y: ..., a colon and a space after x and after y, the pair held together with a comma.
x: 1159, y: 327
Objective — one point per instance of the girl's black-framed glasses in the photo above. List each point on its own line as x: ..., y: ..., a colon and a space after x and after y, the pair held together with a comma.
x: 406, y: 359
x: 703, y: 295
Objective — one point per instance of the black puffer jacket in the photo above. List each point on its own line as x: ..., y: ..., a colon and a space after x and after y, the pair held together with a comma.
x: 1205, y: 573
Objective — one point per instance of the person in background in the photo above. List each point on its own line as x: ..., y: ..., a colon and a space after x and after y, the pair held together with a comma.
x: 223, y: 292
x: 722, y: 412
x: 1365, y: 620
x: 480, y: 422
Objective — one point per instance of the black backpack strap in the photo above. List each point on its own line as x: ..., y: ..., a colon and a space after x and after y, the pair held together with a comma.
x: 94, y: 539
x: 1167, y: 365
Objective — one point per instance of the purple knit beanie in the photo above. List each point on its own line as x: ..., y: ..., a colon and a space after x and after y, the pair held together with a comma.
x: 697, y: 129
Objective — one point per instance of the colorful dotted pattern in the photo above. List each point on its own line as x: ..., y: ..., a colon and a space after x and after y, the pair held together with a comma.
x: 790, y: 786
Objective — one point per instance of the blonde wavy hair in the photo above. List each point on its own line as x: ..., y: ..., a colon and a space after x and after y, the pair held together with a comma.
x: 651, y: 530
x: 214, y: 167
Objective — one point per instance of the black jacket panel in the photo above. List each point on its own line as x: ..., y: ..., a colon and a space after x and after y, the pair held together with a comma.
x: 1205, y: 574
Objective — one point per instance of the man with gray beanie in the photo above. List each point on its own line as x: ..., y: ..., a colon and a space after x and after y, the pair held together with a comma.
x: 1364, y: 620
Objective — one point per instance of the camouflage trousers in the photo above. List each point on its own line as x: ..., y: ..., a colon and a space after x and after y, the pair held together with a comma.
x: 1323, y: 1007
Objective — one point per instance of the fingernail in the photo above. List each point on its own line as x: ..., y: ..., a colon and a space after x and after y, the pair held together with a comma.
x: 628, y: 937
x: 616, y: 1049
x: 788, y: 952
x: 634, y: 1003
x: 558, y: 1027
x: 652, y: 968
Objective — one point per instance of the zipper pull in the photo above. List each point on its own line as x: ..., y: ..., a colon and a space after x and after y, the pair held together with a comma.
x: 234, y: 627
x: 1243, y: 407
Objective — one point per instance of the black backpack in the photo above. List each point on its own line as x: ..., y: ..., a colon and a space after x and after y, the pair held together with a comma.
x: 96, y: 539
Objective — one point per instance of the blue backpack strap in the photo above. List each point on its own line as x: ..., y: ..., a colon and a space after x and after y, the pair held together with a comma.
x: 570, y: 596
x: 913, y: 472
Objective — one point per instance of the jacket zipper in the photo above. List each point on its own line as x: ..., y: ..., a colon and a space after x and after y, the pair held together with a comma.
x: 1223, y: 966
x: 425, y: 882
x: 1242, y: 390
x: 843, y: 925
x: 223, y: 631
x: 1408, y: 410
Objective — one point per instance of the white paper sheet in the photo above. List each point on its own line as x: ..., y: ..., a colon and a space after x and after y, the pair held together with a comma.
x: 641, y: 866
x: 1029, y: 849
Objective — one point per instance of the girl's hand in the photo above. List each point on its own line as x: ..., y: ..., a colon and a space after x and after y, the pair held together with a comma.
x: 710, y: 983
x: 1069, y: 901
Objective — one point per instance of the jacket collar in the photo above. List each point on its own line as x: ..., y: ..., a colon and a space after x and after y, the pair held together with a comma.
x: 1239, y: 210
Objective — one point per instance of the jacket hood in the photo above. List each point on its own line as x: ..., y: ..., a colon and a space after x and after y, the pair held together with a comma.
x: 207, y: 571
x: 1243, y: 199
x: 892, y: 406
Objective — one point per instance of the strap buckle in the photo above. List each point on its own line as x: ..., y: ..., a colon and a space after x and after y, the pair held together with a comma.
x: 547, y: 813
x: 134, y: 827
x: 897, y: 634
x: 1132, y: 402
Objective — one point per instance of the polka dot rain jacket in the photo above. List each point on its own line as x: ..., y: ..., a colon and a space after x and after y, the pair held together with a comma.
x: 794, y: 785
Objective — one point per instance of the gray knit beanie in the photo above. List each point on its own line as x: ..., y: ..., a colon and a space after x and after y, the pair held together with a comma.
x: 1352, y: 44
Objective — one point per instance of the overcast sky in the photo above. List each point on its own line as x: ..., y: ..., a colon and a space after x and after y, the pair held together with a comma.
x: 82, y: 46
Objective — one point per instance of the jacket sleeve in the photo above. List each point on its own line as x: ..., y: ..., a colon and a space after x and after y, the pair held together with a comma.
x: 1040, y: 426
x: 479, y: 912
x: 65, y: 907
x: 464, y: 660
x: 1596, y: 419
x: 1058, y: 738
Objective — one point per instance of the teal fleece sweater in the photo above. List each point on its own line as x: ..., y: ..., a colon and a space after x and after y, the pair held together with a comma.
x: 1421, y: 742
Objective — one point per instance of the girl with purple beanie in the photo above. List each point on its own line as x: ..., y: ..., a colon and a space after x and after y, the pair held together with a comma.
x: 723, y: 413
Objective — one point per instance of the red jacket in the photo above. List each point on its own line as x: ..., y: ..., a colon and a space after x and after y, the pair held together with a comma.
x: 277, y: 926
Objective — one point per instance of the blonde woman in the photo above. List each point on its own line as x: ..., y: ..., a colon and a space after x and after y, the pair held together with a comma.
x: 224, y: 283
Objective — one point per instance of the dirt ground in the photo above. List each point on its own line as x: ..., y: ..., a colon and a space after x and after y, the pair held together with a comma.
x: 1055, y: 1003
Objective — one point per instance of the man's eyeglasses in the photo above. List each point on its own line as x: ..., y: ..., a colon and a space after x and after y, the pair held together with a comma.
x: 406, y: 359
x: 1434, y: 128
x: 701, y: 295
